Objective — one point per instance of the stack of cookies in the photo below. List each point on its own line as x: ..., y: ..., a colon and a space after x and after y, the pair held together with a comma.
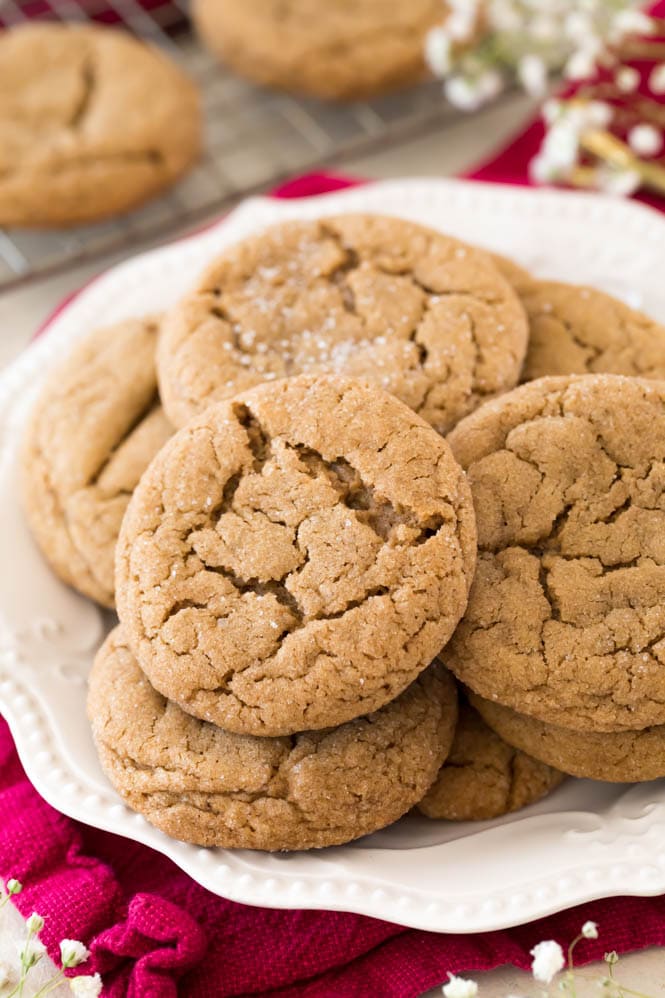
x: 259, y: 482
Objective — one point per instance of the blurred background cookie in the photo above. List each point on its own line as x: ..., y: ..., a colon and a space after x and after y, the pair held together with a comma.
x: 339, y: 50
x: 93, y: 432
x: 92, y: 123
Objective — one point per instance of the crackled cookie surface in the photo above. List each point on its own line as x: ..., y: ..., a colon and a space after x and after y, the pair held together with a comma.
x: 93, y: 432
x: 579, y: 330
x: 615, y: 756
x: 201, y: 784
x: 484, y: 777
x: 330, y: 50
x: 295, y: 557
x: 78, y: 138
x: 425, y: 317
x: 566, y: 616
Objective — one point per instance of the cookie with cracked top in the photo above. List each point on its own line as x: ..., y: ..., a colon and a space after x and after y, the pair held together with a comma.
x: 202, y: 784
x: 580, y: 330
x: 566, y: 613
x: 483, y: 776
x: 94, y: 429
x: 328, y: 50
x: 424, y: 316
x: 92, y: 123
x: 295, y: 557
x: 612, y: 756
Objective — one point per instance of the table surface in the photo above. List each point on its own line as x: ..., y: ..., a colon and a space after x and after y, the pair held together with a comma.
x: 447, y: 152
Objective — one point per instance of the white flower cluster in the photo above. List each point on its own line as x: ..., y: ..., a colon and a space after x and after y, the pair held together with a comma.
x: 484, y: 44
x: 548, y: 961
x: 31, y: 950
x: 566, y: 125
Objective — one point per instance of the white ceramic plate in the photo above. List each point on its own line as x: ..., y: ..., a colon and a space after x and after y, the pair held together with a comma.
x: 587, y: 840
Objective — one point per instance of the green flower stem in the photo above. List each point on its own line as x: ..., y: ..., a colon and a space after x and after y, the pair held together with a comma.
x: 50, y: 985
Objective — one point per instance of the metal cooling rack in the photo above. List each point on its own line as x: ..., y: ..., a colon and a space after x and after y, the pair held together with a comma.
x: 255, y: 137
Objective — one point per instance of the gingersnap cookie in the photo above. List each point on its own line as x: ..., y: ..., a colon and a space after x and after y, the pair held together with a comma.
x: 517, y: 276
x: 566, y: 613
x: 613, y: 756
x: 483, y: 776
x: 201, y: 784
x: 92, y: 123
x: 94, y: 430
x: 579, y: 330
x: 333, y: 51
x: 295, y: 557
x: 424, y: 316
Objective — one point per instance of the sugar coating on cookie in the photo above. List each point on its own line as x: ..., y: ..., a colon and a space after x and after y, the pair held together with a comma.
x: 295, y: 557
x: 580, y: 330
x: 201, y: 784
x: 485, y: 777
x: 94, y: 429
x: 566, y: 614
x: 328, y: 50
x: 612, y: 756
x: 92, y: 122
x: 424, y: 316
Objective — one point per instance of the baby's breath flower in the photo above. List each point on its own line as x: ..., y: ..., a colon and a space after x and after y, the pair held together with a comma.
x: 86, y: 987
x: 13, y: 886
x: 461, y: 20
x: 35, y: 923
x: 645, y: 140
x: 458, y: 987
x: 618, y: 183
x: 590, y: 930
x: 552, y: 110
x: 631, y: 22
x: 581, y: 64
x: 657, y: 79
x: 468, y: 93
x: 30, y: 952
x: 611, y: 958
x: 532, y: 74
x: 72, y: 953
x: 438, y: 49
x: 627, y: 79
x: 548, y: 960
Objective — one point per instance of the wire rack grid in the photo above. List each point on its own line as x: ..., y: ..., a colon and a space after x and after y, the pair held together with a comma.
x: 254, y: 137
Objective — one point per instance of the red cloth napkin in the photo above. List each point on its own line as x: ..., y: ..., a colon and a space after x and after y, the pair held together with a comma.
x: 154, y: 933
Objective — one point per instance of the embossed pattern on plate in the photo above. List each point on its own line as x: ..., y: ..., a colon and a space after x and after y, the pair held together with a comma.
x: 587, y: 840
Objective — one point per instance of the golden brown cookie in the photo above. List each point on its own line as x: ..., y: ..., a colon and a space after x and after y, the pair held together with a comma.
x: 566, y: 614
x: 92, y: 123
x: 579, y: 330
x: 94, y: 430
x: 345, y: 50
x: 519, y: 278
x: 201, y: 784
x: 484, y: 776
x: 616, y: 757
x: 295, y: 557
x: 424, y: 316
